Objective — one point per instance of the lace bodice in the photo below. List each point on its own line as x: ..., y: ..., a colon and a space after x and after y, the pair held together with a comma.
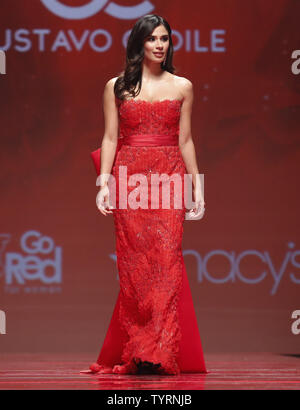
x: 138, y: 116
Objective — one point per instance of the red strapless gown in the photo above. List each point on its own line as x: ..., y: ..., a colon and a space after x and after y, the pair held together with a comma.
x: 153, y: 319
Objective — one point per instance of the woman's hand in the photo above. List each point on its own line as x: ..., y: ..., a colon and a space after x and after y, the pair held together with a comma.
x: 102, y: 201
x: 198, y: 211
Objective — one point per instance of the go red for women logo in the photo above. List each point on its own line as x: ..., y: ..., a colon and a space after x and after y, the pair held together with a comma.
x: 94, y: 6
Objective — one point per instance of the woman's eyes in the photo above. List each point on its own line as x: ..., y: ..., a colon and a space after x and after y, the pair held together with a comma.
x: 163, y: 38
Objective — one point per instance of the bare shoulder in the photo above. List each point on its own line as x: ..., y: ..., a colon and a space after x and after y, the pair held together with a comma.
x: 184, y: 85
x: 109, y: 86
x: 109, y: 93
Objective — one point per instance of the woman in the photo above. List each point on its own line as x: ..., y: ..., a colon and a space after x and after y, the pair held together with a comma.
x: 153, y: 327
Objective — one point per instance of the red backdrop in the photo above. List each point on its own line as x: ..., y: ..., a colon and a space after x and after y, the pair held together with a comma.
x: 58, y: 276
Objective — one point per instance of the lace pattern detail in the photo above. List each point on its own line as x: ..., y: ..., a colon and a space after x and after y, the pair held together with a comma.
x: 144, y: 117
x: 150, y: 271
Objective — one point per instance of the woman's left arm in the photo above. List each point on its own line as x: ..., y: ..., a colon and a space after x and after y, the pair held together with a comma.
x: 186, y: 143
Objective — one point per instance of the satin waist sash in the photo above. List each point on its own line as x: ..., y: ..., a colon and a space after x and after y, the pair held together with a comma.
x: 152, y: 140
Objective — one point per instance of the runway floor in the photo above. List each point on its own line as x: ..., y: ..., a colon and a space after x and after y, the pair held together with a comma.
x: 230, y: 371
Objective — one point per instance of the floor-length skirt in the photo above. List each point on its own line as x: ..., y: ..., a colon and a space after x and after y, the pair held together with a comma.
x: 154, y: 318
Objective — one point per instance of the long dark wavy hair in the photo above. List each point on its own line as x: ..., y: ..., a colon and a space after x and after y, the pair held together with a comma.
x: 130, y: 78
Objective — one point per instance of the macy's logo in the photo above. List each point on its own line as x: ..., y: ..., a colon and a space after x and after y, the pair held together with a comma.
x: 94, y: 6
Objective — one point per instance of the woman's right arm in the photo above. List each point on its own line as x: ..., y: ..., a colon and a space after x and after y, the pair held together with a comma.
x: 108, y: 146
x: 111, y: 126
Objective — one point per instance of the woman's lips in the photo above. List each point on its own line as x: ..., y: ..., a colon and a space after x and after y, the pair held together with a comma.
x: 158, y: 54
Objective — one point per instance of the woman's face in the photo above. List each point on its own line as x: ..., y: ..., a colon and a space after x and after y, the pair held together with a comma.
x: 156, y: 45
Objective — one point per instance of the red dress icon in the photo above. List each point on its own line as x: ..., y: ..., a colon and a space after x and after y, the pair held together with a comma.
x: 153, y: 322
